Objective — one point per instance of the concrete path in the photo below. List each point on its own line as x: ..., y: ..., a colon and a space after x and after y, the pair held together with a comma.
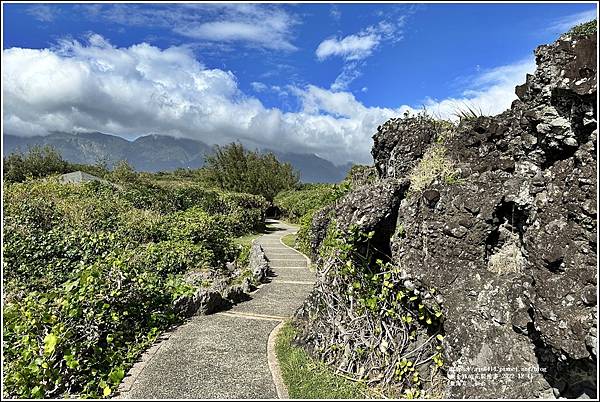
x: 224, y: 355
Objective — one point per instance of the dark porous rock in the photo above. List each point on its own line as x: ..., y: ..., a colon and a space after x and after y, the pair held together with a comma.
x: 399, y: 143
x: 204, y: 301
x: 237, y: 293
x: 372, y: 207
x: 431, y: 197
x: 511, y: 247
x: 258, y: 263
x: 318, y: 230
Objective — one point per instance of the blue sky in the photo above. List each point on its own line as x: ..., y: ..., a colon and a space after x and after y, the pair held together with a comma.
x: 313, y: 78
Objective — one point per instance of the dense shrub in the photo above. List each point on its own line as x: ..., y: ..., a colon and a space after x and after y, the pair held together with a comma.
x: 146, y: 195
x: 294, y: 204
x: 36, y: 162
x: 91, y: 272
x: 198, y: 227
x: 80, y: 336
x: 303, y: 236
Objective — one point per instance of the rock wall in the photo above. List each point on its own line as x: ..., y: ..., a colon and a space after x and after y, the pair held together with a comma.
x: 509, y: 240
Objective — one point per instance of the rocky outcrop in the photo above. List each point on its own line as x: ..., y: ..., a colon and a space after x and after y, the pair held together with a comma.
x: 224, y: 291
x: 509, y: 240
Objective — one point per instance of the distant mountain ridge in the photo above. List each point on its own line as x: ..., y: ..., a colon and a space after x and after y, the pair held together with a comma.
x: 154, y: 152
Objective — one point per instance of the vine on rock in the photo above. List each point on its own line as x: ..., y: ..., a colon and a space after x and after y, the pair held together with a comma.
x: 372, y: 322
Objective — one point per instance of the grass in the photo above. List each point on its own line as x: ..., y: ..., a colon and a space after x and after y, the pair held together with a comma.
x: 246, y: 240
x: 307, y: 378
x: 290, y: 240
x: 467, y: 112
x: 434, y: 165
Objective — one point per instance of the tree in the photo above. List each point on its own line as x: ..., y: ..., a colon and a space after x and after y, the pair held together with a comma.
x: 37, y: 162
x: 234, y: 168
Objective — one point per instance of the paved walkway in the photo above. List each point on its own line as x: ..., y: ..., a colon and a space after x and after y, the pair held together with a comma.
x: 224, y: 355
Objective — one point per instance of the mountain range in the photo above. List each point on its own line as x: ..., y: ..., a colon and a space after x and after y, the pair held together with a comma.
x: 153, y: 153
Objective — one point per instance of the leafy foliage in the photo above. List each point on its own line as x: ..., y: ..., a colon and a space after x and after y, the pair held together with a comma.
x: 91, y: 272
x: 37, y: 162
x: 234, y: 168
x: 295, y: 204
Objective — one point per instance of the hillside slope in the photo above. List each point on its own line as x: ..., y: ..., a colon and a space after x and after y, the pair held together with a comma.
x: 154, y: 153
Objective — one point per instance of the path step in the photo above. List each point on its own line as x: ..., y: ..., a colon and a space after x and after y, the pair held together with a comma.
x: 224, y: 355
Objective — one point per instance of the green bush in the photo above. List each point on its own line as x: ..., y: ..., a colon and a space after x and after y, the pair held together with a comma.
x: 198, y: 227
x: 304, y: 235
x: 173, y: 257
x: 587, y: 28
x: 295, y: 204
x: 90, y: 276
x: 36, y: 162
x: 80, y: 337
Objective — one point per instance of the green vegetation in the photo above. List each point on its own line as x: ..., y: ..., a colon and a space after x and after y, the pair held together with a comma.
x: 434, y: 165
x: 307, y: 378
x: 37, y: 162
x: 294, y: 204
x: 467, y: 112
x: 361, y: 175
x: 401, y: 325
x: 234, y: 168
x: 91, y: 271
x: 299, y: 206
x: 44, y: 161
x: 586, y: 28
x: 290, y: 240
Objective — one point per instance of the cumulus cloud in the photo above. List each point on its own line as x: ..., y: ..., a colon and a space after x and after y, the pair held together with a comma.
x: 143, y: 89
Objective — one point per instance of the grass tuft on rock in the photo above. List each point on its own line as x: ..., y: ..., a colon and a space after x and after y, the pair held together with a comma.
x: 433, y: 166
x: 586, y: 28
x: 307, y: 378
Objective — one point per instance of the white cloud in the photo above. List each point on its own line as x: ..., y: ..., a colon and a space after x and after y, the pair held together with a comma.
x: 142, y: 89
x: 351, y: 47
x: 565, y: 23
x: 267, y: 26
x: 360, y: 45
x: 258, y: 86
x: 355, y: 48
x: 335, y: 12
x: 350, y: 72
x: 43, y: 12
x: 491, y: 91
